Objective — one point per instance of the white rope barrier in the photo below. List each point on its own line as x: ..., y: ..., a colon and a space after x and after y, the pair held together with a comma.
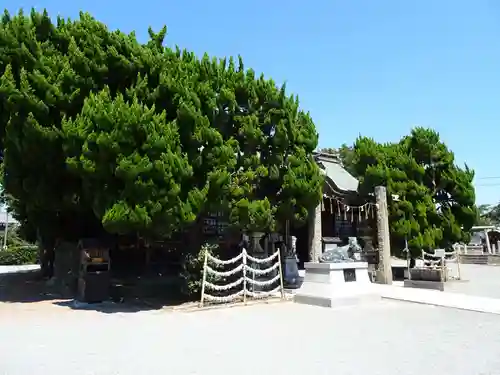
x: 261, y: 260
x: 232, y: 285
x: 444, y: 258
x: 261, y: 295
x: 224, y: 299
x: 224, y: 273
x: 247, y: 281
x: 446, y: 253
x: 264, y: 283
x: 265, y: 271
x: 221, y: 262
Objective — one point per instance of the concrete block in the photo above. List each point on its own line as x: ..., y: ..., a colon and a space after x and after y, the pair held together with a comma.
x: 424, y: 284
x: 426, y: 274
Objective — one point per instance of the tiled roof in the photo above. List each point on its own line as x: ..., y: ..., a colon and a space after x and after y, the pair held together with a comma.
x: 333, y: 169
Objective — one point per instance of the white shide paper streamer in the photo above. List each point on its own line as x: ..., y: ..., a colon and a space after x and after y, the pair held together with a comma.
x: 247, y: 278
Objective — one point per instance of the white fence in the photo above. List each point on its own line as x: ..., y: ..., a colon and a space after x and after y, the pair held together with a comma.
x: 250, y: 283
x: 447, y: 261
x: 478, y: 249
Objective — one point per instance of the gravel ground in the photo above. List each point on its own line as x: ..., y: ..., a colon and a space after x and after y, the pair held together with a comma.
x: 385, y: 338
x: 481, y: 281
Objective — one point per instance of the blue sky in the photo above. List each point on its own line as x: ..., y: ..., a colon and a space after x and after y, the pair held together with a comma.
x: 370, y: 67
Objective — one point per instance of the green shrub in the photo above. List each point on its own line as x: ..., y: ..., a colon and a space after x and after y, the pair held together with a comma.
x: 19, y: 255
x: 193, y: 271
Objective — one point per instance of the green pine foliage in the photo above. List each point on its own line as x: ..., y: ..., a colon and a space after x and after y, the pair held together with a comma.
x: 488, y: 214
x: 102, y: 133
x: 436, y: 205
x: 129, y: 160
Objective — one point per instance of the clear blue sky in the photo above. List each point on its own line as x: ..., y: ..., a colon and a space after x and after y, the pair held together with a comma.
x: 370, y: 67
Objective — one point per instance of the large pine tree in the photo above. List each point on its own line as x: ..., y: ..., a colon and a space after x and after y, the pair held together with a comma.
x: 436, y: 205
x: 100, y: 132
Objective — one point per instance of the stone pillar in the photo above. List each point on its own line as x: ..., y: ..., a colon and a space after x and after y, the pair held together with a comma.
x: 316, y: 246
x: 384, y: 272
x: 488, y: 245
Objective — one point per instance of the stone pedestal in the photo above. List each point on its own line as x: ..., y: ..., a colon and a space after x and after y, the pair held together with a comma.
x: 336, y: 284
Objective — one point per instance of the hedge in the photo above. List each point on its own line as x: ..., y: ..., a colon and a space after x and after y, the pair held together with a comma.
x: 19, y: 255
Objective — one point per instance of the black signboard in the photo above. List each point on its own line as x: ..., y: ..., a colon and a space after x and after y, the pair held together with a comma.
x: 349, y: 275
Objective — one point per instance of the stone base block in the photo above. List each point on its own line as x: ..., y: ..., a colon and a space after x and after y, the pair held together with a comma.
x: 426, y: 274
x: 337, y: 273
x: 336, y: 284
x: 318, y: 295
x: 424, y: 284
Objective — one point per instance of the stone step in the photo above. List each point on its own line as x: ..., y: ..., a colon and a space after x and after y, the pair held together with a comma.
x: 442, y: 299
x: 473, y: 259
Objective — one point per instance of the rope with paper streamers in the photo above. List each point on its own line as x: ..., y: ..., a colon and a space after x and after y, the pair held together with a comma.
x: 426, y: 256
x: 431, y: 260
x: 246, y: 283
x: 338, y: 207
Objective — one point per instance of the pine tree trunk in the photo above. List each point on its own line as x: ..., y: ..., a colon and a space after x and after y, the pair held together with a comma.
x: 47, y: 262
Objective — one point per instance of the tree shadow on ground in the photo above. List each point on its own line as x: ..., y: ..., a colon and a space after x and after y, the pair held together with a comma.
x: 108, y: 307
x: 25, y: 287
x: 30, y: 287
x: 126, y: 305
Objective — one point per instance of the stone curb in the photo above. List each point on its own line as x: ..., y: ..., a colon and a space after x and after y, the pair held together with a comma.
x: 445, y: 299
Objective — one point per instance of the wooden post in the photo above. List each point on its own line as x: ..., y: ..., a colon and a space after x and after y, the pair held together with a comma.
x: 443, y: 269
x: 281, y: 275
x: 204, y: 278
x: 488, y: 245
x: 457, y: 255
x: 384, y: 271
x: 244, y: 259
x: 408, y: 258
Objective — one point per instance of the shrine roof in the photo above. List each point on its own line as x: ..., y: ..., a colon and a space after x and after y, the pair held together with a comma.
x: 333, y: 169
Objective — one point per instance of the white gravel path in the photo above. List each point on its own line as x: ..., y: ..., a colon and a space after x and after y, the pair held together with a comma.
x: 386, y: 338
x: 481, y: 281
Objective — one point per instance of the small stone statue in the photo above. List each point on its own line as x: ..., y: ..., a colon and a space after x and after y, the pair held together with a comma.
x: 342, y: 254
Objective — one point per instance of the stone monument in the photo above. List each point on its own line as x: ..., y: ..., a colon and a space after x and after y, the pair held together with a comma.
x: 348, y: 253
x: 339, y: 278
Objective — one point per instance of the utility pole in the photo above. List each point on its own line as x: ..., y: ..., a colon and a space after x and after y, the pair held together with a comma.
x: 384, y: 271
